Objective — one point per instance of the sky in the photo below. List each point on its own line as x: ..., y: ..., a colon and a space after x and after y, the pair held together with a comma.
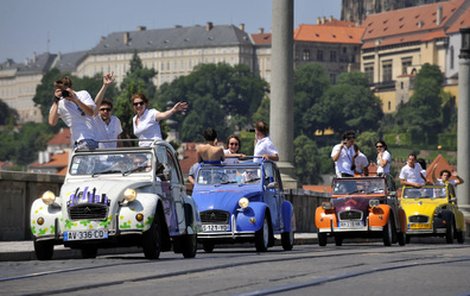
x: 38, y: 26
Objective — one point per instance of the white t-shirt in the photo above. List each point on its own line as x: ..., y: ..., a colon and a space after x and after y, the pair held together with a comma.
x: 109, y: 131
x: 264, y: 146
x: 80, y: 124
x: 148, y: 127
x: 386, y: 169
x: 344, y: 162
x: 361, y: 162
x: 412, y: 174
x: 440, y: 182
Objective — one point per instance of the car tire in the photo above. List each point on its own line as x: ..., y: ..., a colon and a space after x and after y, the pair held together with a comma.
x: 460, y: 237
x: 322, y: 239
x: 44, y: 249
x: 338, y: 241
x: 450, y: 231
x: 287, y: 240
x: 151, y: 239
x: 402, y: 238
x: 89, y: 252
x: 408, y: 239
x: 188, y: 245
x: 387, y: 232
x: 208, y: 247
x: 262, y: 237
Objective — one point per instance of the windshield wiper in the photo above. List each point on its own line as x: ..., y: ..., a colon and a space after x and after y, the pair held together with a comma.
x: 106, y: 172
x: 252, y: 180
x: 136, y: 169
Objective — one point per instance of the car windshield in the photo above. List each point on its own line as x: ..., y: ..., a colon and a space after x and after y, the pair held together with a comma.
x: 124, y: 163
x: 425, y: 192
x: 360, y: 186
x: 228, y: 175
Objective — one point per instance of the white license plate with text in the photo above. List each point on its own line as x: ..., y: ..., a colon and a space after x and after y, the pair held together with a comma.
x: 351, y: 224
x: 214, y: 227
x: 85, y: 235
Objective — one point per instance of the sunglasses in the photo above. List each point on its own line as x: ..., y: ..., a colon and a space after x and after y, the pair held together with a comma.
x: 105, y: 109
x: 233, y: 144
x: 378, y: 146
x: 139, y: 103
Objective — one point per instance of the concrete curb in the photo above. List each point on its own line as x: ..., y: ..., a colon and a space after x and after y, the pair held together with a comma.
x: 24, y: 250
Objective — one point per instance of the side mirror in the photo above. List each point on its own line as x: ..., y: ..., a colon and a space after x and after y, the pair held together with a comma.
x: 453, y: 200
x: 273, y: 185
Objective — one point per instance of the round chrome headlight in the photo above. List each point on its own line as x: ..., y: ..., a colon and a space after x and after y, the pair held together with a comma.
x: 243, y: 202
x: 326, y: 205
x: 374, y: 203
x: 130, y: 194
x: 48, y: 197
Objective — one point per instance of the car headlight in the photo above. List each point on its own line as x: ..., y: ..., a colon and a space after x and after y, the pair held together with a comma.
x: 374, y: 203
x: 48, y: 197
x: 326, y: 205
x: 130, y: 194
x: 243, y: 202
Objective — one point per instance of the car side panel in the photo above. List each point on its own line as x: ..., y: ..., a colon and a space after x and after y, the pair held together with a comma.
x: 251, y: 218
x: 324, y: 220
x: 288, y: 219
x: 50, y: 214
x: 146, y: 204
x: 378, y: 216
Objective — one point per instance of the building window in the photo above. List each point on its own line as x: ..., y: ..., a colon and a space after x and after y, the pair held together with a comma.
x: 387, y: 71
x: 333, y: 56
x: 369, y: 71
x: 452, y: 57
x: 306, y: 55
x: 405, y: 63
x: 389, y: 105
x: 320, y: 55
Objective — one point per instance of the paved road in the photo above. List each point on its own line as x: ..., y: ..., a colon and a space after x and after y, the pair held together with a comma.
x: 426, y: 267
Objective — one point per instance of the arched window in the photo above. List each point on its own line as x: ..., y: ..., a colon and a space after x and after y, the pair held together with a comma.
x: 306, y: 55
x: 452, y: 57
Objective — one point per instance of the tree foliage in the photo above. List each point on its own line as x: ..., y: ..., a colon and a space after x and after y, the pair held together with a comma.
x: 8, y: 116
x: 220, y: 96
x: 307, y: 166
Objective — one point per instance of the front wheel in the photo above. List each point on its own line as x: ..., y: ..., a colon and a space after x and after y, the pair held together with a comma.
x: 460, y: 237
x: 262, y: 237
x: 322, y: 239
x: 287, y: 240
x: 388, y: 233
x: 338, y: 240
x: 44, y: 249
x: 89, y: 252
x: 402, y: 238
x: 208, y: 247
x: 151, y: 240
x: 189, y: 245
x: 450, y: 232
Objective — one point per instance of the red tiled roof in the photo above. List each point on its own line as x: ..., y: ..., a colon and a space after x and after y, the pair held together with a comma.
x: 59, y: 161
x: 61, y: 138
x: 411, y: 24
x: 326, y: 33
x: 261, y: 38
x: 462, y: 22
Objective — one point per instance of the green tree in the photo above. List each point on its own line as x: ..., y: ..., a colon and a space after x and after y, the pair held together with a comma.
x: 8, y: 116
x: 348, y: 105
x: 306, y: 164
x: 137, y: 80
x: 310, y: 83
x: 234, y: 92
x: 30, y: 139
x: 45, y: 93
x: 422, y: 115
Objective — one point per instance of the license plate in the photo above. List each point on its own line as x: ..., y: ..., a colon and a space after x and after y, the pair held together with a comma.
x: 351, y: 224
x: 420, y: 225
x: 214, y: 227
x: 85, y: 235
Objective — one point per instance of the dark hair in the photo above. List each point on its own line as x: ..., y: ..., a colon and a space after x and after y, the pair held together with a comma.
x: 236, y: 138
x: 445, y: 171
x: 107, y: 102
x: 209, y: 134
x: 356, y: 148
x: 381, y: 142
x: 63, y: 83
x: 262, y: 127
x: 349, y: 135
x: 140, y: 96
x: 414, y: 155
x: 422, y: 163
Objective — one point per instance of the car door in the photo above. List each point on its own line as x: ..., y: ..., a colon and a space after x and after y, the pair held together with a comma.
x: 271, y: 194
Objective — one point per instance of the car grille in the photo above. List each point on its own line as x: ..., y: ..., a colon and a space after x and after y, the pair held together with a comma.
x: 215, y: 216
x: 419, y: 219
x: 88, y: 211
x: 350, y: 215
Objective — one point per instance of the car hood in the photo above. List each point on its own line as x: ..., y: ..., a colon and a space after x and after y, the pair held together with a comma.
x: 421, y: 206
x: 222, y: 199
x: 350, y: 203
x: 113, y: 190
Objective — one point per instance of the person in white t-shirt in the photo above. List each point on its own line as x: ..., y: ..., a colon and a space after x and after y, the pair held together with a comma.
x: 410, y: 174
x: 384, y: 158
x: 146, y: 122
x: 76, y: 109
x: 342, y: 154
x: 108, y: 127
x: 361, y: 162
x: 264, y: 147
x: 445, y: 177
